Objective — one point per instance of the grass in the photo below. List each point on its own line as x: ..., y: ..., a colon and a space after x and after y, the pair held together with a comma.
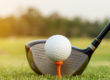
x: 14, y: 65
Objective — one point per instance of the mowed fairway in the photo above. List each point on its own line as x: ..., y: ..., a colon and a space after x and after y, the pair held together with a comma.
x: 14, y: 65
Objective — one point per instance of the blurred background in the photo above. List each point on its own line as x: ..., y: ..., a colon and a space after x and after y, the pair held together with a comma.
x: 22, y: 21
x: 45, y: 18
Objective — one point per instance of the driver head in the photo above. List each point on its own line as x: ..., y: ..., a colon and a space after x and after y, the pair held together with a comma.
x: 41, y: 64
x: 74, y: 65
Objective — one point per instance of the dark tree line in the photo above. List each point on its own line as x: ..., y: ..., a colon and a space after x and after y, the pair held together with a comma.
x: 33, y: 23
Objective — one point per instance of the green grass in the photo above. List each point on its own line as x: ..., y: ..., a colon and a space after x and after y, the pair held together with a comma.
x: 14, y: 65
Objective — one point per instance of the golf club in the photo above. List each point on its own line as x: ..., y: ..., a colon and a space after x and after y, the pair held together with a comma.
x: 74, y: 65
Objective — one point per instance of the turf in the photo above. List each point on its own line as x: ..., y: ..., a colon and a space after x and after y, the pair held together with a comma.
x: 14, y: 65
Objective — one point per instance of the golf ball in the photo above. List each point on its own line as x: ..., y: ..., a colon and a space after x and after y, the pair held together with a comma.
x: 58, y: 48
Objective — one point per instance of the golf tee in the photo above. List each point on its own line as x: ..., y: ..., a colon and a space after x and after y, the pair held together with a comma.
x: 59, y: 64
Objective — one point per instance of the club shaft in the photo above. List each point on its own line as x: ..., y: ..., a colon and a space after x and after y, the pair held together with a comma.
x: 99, y: 38
x: 103, y: 32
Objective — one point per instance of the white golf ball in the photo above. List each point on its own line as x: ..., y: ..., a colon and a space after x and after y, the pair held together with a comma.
x: 58, y: 48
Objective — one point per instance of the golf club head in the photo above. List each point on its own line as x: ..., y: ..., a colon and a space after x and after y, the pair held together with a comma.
x: 74, y: 65
x: 41, y: 64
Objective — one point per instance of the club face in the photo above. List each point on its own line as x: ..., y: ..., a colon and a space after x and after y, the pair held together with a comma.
x: 41, y: 64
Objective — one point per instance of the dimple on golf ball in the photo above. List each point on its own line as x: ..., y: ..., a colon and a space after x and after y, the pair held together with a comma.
x: 58, y: 48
